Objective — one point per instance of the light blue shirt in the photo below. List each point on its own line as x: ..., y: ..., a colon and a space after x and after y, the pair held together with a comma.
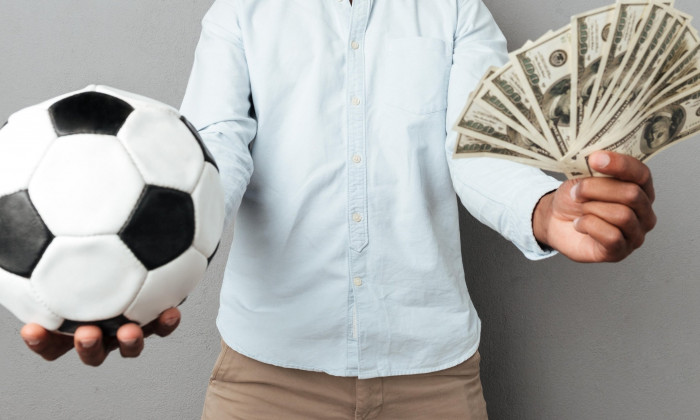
x: 346, y: 252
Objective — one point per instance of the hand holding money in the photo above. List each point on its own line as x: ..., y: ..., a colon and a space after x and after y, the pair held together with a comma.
x: 599, y: 219
x: 623, y: 78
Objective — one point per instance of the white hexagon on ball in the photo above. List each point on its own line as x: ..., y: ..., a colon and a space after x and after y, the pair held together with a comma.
x: 88, y: 278
x: 86, y: 184
x: 162, y: 148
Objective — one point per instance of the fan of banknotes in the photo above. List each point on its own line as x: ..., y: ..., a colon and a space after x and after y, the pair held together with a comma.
x: 624, y: 77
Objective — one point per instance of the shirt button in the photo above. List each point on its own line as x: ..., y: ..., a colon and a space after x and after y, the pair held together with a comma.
x: 357, y: 281
x: 357, y: 158
x: 357, y: 217
x: 355, y: 45
x: 355, y: 100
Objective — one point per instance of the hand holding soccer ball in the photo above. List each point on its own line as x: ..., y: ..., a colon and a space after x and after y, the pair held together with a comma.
x: 91, y: 346
x: 110, y: 211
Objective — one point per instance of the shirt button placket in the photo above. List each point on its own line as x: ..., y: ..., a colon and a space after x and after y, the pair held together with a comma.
x: 358, y: 281
x: 357, y: 194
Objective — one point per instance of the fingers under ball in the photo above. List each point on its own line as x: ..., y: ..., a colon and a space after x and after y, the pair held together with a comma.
x: 89, y: 346
x: 46, y: 344
x: 167, y: 322
x: 130, y: 338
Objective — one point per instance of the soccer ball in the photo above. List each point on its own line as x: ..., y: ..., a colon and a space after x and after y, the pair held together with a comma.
x: 111, y: 209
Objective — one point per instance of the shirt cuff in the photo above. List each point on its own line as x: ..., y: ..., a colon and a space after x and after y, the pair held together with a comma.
x: 527, y: 243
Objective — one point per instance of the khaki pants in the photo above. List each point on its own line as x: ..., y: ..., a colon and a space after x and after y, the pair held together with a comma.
x: 242, y: 388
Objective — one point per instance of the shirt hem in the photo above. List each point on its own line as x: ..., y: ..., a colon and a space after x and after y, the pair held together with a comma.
x: 356, y: 373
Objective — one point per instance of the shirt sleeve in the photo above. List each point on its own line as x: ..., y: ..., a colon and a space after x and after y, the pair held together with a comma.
x: 499, y: 193
x: 218, y: 100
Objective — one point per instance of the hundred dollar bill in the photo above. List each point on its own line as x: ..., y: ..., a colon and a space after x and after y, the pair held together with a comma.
x: 689, y: 77
x: 545, y: 65
x: 628, y: 14
x: 689, y: 83
x: 677, y: 43
x: 468, y: 146
x: 590, y: 32
x: 657, y: 32
x: 486, y: 93
x: 506, y: 86
x: 684, y: 50
x: 624, y: 77
x: 653, y: 42
x: 481, y: 121
x: 652, y: 28
x: 638, y: 97
x: 673, y: 121
x: 643, y: 60
x: 488, y: 100
x: 687, y: 64
x: 655, y: 15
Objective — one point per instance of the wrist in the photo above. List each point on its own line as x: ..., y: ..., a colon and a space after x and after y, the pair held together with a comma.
x: 541, y: 216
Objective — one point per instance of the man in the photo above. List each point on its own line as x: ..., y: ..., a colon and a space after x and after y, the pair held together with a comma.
x: 344, y: 296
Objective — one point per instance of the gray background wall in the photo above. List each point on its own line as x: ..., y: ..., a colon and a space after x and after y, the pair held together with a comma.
x: 560, y: 340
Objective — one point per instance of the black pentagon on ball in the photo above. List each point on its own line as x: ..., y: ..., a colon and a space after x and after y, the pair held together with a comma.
x: 23, y: 235
x: 109, y: 327
x: 161, y: 227
x: 207, y: 154
x: 89, y: 113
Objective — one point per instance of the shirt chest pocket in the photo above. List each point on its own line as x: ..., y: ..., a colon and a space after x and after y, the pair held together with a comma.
x: 415, y: 74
